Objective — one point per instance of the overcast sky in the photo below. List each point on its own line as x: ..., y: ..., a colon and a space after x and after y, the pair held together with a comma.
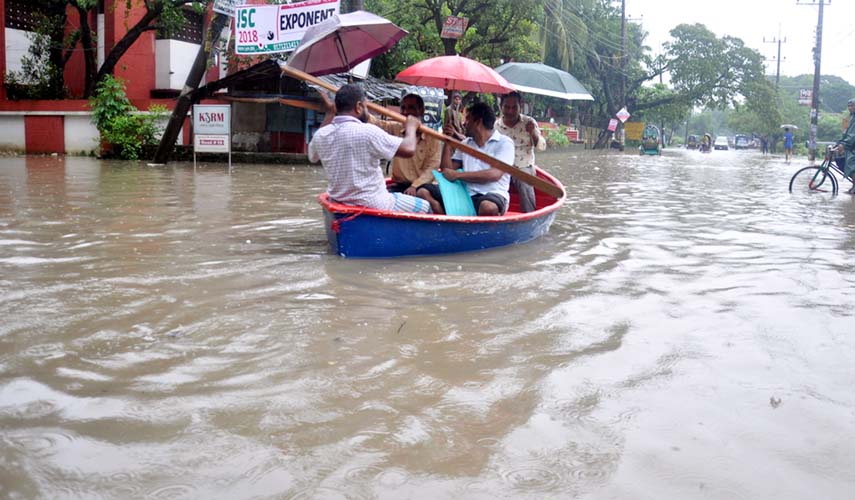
x: 751, y: 20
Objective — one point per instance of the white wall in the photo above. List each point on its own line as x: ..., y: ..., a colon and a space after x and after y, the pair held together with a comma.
x: 80, y: 134
x: 12, y: 132
x: 100, y: 32
x: 17, y: 46
x: 173, y: 60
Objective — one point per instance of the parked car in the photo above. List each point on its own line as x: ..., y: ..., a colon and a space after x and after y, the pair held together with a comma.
x: 741, y: 142
x: 720, y: 143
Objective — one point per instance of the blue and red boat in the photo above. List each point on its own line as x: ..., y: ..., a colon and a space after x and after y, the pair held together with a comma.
x: 366, y: 232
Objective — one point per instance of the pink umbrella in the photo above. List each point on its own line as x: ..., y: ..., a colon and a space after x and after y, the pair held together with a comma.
x: 343, y: 41
x: 455, y: 73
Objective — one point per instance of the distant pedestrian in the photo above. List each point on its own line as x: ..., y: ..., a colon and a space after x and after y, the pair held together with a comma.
x: 764, y: 144
x: 788, y: 144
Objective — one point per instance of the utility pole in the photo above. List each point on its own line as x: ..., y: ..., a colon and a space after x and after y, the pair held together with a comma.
x: 170, y: 134
x: 817, y: 59
x: 779, y: 41
x: 622, y: 66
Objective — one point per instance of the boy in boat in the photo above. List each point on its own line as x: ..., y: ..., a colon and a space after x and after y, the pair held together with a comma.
x: 408, y: 174
x: 487, y: 185
x: 350, y: 149
x: 525, y: 134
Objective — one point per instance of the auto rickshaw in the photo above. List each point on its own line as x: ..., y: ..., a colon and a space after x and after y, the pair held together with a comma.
x: 650, y: 141
x: 706, y: 143
x: 692, y: 142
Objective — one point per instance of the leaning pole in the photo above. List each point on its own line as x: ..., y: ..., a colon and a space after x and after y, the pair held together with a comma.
x: 170, y: 134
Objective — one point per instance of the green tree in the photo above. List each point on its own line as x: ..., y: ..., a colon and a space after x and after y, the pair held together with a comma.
x: 40, y: 76
x: 497, y: 30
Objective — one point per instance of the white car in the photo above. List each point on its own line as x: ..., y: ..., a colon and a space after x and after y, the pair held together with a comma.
x: 720, y: 142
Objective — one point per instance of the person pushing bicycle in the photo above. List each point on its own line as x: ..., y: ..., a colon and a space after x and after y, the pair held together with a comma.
x: 846, y: 145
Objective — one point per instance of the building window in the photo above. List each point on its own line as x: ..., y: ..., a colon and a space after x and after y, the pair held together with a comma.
x: 22, y: 15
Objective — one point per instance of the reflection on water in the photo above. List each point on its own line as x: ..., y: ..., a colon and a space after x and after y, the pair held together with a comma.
x: 683, y: 331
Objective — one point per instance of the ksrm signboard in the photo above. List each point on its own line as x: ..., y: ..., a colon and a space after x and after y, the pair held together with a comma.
x: 266, y: 29
x: 212, y: 130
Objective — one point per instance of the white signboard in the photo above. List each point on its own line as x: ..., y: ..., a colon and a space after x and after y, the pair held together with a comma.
x: 211, y: 143
x: 211, y: 119
x: 266, y: 29
x: 226, y: 7
x: 212, y: 130
x: 623, y: 115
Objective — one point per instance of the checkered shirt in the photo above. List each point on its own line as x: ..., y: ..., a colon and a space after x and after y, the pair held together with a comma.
x: 351, y: 152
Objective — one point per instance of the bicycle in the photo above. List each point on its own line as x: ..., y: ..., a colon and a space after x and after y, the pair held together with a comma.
x: 813, y: 179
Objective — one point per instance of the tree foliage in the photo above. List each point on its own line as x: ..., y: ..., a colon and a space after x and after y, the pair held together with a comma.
x: 497, y: 30
x: 51, y: 48
x: 125, y: 130
x: 41, y: 74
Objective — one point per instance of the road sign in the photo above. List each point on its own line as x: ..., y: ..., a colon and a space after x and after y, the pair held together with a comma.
x: 805, y: 97
x: 623, y: 115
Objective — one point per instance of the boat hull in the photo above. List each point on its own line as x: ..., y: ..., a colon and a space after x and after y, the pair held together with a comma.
x: 364, y: 233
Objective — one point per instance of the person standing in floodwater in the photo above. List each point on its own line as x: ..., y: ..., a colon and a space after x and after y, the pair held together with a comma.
x: 788, y: 144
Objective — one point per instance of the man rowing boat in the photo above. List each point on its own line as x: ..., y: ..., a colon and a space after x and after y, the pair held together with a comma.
x: 350, y: 150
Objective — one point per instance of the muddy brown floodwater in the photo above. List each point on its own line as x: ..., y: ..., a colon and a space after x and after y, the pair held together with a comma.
x: 685, y: 330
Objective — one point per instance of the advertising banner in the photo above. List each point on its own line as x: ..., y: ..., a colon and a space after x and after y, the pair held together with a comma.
x: 805, y: 97
x: 454, y: 27
x: 212, y: 132
x: 633, y: 130
x: 226, y: 7
x: 211, y: 119
x: 267, y: 29
x: 612, y: 125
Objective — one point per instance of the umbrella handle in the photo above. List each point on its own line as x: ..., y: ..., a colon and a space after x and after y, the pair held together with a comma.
x: 533, y: 180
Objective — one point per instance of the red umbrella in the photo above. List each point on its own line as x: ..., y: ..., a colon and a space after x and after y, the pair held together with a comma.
x: 455, y: 73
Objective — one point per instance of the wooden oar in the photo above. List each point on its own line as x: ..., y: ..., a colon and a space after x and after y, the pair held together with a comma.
x: 297, y: 103
x: 533, y: 180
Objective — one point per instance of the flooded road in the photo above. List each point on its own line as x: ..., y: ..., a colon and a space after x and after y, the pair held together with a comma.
x: 685, y: 330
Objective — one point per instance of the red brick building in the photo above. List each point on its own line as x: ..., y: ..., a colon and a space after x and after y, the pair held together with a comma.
x: 154, y: 69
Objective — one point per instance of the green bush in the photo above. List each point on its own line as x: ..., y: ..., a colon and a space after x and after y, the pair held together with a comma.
x: 556, y: 136
x: 121, y: 126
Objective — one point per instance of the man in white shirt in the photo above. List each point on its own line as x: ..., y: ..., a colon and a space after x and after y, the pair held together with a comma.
x: 525, y: 133
x: 486, y: 185
x: 350, y: 149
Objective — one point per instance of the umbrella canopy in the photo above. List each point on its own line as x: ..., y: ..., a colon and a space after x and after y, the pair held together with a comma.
x: 787, y: 125
x: 537, y: 78
x: 455, y: 73
x: 343, y: 41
